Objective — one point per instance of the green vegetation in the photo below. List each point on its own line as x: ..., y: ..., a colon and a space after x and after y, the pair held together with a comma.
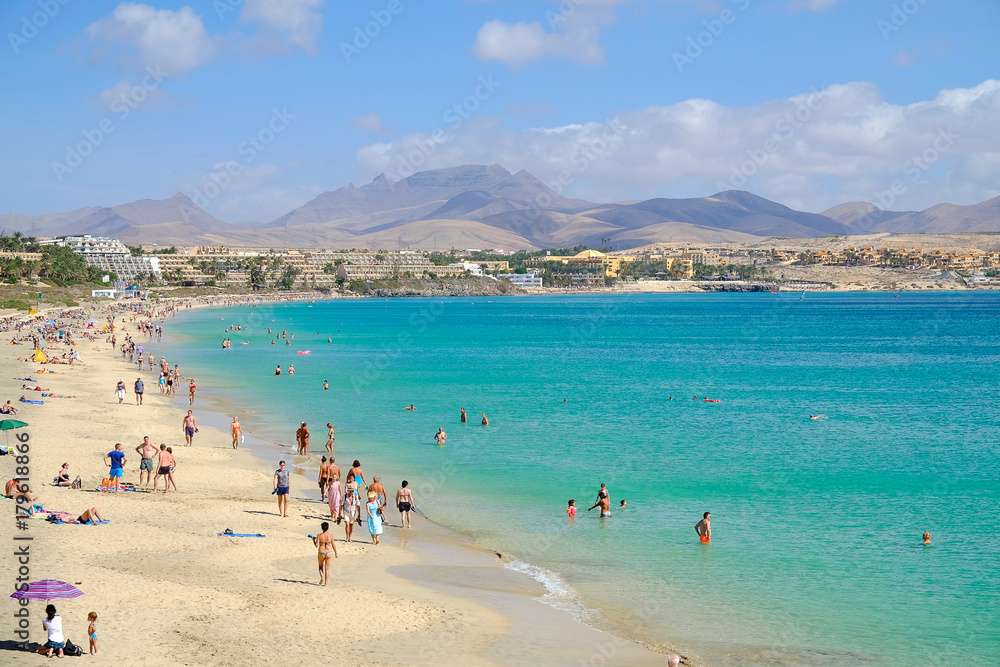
x: 57, y: 265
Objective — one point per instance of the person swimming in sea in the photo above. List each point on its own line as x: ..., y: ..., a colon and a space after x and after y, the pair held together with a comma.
x: 623, y: 505
x: 411, y: 407
x: 326, y: 386
x: 485, y: 421
x: 463, y: 416
x: 277, y: 370
x: 927, y: 539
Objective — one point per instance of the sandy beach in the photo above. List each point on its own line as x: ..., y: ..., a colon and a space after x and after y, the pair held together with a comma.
x: 168, y: 590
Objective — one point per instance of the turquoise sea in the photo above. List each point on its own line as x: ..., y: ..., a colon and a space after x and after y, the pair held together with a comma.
x: 816, y: 557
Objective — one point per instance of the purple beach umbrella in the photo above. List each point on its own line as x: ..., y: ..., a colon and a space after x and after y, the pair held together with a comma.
x: 47, y: 589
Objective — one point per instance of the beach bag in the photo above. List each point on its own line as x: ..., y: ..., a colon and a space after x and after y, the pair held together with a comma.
x: 72, y: 649
x: 77, y: 483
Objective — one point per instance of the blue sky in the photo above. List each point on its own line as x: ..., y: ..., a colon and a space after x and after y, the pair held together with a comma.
x: 254, y: 106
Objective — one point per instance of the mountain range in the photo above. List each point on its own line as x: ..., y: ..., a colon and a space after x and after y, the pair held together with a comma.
x: 489, y: 207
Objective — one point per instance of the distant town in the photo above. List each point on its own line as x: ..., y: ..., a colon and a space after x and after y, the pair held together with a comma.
x: 119, y: 267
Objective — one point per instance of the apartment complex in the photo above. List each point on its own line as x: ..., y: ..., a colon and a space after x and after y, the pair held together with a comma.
x: 610, y: 265
x: 910, y: 258
x: 225, y: 266
x: 110, y: 256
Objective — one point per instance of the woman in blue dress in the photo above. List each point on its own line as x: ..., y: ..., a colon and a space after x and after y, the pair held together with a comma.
x: 374, y: 518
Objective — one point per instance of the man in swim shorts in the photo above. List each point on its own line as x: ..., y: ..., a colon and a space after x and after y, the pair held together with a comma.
x: 165, y: 468
x: 704, y: 527
x: 190, y: 425
x: 139, y: 388
x: 326, y: 549
x: 146, y: 451
x: 115, y: 460
x: 404, y: 503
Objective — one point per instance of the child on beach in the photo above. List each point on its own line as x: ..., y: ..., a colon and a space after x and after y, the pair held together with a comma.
x: 571, y: 508
x: 92, y: 632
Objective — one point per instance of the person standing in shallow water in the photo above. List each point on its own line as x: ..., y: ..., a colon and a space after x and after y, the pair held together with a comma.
x: 704, y: 528
x: 331, y: 436
x: 236, y: 431
x: 302, y: 438
x: 463, y: 416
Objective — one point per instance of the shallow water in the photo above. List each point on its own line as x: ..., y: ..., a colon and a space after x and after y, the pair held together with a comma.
x: 816, y: 557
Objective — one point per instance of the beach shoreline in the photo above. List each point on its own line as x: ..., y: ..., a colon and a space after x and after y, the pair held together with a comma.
x: 212, y: 599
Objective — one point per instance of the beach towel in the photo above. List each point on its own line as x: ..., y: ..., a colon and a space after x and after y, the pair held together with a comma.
x: 33, y: 402
x: 228, y: 532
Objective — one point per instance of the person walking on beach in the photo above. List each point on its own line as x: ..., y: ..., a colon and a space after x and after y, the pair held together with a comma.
x: 326, y: 549
x: 374, y: 518
x: 358, y: 473
x: 379, y: 490
x: 404, y: 503
x: 331, y: 436
x: 115, y: 460
x: 139, y: 388
x: 334, y: 492
x: 352, y: 505
x: 192, y: 388
x: 120, y: 391
x: 281, y: 488
x: 322, y: 479
x: 302, y: 439
x: 190, y: 426
x: 704, y: 528
x: 146, y: 451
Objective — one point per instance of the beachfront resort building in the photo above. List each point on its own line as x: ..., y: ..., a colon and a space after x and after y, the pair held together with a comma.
x: 529, y: 280
x: 110, y: 256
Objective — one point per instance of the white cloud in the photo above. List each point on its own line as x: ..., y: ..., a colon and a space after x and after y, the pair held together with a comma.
x: 811, y: 5
x: 173, y: 42
x: 813, y: 150
x: 298, y: 22
x: 370, y: 122
x: 572, y: 33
